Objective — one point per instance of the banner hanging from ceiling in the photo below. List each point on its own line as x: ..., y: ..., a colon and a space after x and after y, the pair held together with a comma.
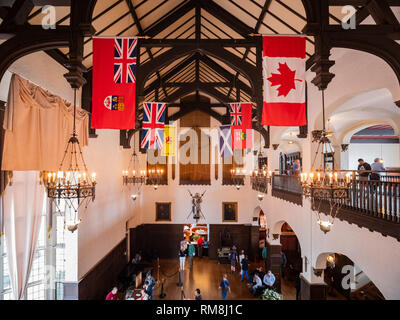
x: 114, y: 83
x: 241, y: 124
x: 284, y: 69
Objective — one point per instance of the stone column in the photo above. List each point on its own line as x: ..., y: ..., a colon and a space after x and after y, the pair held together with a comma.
x: 273, y: 159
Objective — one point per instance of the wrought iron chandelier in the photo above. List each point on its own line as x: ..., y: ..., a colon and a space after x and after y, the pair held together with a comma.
x: 133, y: 175
x: 325, y: 185
x: 74, y: 185
x: 259, y: 180
x: 237, y: 177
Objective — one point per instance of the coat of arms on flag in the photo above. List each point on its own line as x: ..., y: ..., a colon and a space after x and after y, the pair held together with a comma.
x: 225, y: 141
x: 114, y: 83
x: 284, y: 81
x: 241, y: 124
x: 169, y: 146
x: 153, y: 125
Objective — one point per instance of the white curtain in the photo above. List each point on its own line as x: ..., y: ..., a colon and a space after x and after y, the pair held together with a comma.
x: 23, y: 207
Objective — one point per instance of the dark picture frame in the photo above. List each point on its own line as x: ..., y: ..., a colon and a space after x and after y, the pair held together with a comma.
x: 163, y: 211
x: 229, y: 211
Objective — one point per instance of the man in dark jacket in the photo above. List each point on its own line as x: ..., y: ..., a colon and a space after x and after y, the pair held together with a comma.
x: 363, y: 166
x: 283, y: 264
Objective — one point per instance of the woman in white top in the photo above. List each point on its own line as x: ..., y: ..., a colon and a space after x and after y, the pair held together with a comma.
x: 241, y: 256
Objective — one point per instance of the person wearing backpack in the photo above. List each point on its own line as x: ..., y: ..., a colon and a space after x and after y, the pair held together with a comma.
x: 224, y: 286
x: 233, y: 257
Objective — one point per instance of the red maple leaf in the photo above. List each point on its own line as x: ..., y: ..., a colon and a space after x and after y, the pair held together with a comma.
x: 284, y: 79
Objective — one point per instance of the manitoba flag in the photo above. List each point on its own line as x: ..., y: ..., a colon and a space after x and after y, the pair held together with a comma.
x: 114, y: 83
x: 241, y: 124
x: 284, y: 81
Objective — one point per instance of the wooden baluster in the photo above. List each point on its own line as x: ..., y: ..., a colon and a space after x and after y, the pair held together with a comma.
x: 362, y: 196
x: 368, y: 195
x: 376, y: 196
x: 395, y: 207
x: 390, y: 198
x: 385, y: 200
x: 355, y: 194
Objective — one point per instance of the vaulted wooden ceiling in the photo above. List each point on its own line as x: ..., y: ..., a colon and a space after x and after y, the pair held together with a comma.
x: 205, y: 20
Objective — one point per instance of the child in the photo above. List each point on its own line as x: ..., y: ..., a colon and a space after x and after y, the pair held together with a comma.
x: 224, y: 286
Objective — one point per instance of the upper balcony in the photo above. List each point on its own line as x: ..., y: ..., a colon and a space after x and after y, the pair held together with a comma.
x: 373, y: 204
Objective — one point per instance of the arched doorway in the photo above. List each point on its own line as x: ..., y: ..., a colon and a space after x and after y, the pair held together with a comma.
x: 377, y: 141
x: 291, y: 250
x: 345, y: 279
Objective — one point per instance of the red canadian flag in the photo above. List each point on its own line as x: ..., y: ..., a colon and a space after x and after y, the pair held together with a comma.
x: 114, y: 83
x: 284, y: 81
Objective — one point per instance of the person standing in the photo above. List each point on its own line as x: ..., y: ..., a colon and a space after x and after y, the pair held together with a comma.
x: 233, y: 257
x: 245, y: 268
x: 200, y: 246
x: 241, y: 256
x: 296, y: 167
x: 148, y: 289
x: 112, y: 295
x: 264, y: 255
x: 152, y: 283
x: 298, y: 286
x: 224, y: 286
x: 377, y: 166
x: 182, y: 258
x: 283, y: 264
x: 191, y: 253
x: 363, y: 166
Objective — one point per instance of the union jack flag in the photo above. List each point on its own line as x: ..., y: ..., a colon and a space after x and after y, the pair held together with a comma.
x: 125, y: 60
x: 235, y: 110
x: 153, y: 125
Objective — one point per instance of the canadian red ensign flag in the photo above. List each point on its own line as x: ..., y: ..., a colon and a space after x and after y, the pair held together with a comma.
x: 284, y: 71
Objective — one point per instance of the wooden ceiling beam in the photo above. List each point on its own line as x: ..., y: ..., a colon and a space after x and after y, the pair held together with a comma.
x: 168, y: 19
x: 18, y: 13
x: 227, y: 18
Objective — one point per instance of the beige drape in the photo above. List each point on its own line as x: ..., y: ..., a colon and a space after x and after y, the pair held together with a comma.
x: 23, y: 208
x: 38, y: 125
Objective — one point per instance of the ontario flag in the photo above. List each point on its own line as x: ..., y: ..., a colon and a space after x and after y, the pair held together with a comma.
x: 241, y: 124
x: 153, y: 125
x: 114, y: 83
x: 284, y: 81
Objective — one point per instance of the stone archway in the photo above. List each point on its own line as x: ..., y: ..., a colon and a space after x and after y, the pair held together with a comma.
x: 345, y: 279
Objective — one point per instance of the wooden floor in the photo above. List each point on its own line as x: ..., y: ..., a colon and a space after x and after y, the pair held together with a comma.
x: 206, y: 275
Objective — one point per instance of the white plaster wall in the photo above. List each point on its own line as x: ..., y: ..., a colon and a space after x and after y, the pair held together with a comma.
x: 104, y: 223
x: 389, y: 152
x: 41, y: 70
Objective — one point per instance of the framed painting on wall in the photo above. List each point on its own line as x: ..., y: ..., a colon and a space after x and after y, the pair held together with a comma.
x: 229, y: 212
x: 163, y: 211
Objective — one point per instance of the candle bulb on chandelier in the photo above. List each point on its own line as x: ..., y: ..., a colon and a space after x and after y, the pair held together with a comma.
x: 93, y: 177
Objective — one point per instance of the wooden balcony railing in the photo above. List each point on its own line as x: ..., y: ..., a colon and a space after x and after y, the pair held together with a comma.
x: 373, y: 204
x: 287, y: 188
